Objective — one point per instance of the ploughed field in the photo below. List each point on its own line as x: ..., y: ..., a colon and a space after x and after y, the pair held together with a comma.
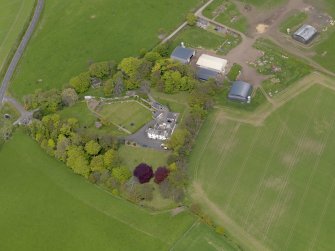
x: 272, y: 186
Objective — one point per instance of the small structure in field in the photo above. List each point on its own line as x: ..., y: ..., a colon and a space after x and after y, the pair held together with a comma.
x: 96, y: 82
x: 205, y: 74
x: 183, y: 54
x: 212, y: 63
x: 305, y: 34
x: 240, y: 91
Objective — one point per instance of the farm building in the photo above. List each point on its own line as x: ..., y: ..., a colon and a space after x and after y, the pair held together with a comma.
x: 305, y: 33
x: 240, y: 91
x: 212, y: 63
x: 205, y: 74
x: 182, y: 54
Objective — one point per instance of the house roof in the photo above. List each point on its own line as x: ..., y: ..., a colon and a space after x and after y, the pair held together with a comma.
x: 306, y: 32
x: 240, y: 89
x: 205, y: 74
x: 182, y: 54
x: 213, y: 63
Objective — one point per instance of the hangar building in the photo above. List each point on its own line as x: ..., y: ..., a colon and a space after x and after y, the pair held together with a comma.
x: 305, y: 34
x: 212, y: 63
x: 240, y: 91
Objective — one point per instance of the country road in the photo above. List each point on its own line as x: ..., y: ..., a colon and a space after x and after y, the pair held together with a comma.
x: 19, y: 52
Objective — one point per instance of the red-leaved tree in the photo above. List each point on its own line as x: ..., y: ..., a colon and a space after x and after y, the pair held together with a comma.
x: 161, y: 174
x: 143, y: 172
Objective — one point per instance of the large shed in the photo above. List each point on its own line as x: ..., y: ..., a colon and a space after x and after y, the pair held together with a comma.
x: 240, y: 91
x: 182, y: 54
x: 212, y: 63
x: 305, y: 33
x: 205, y: 74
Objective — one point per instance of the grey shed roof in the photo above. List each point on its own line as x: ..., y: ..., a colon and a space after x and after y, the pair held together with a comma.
x: 205, y: 74
x: 182, y: 54
x: 240, y: 91
x: 306, y: 32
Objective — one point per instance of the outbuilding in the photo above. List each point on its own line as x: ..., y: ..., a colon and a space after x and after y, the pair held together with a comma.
x: 212, y: 63
x: 183, y: 54
x: 205, y: 74
x: 305, y: 34
x: 240, y: 91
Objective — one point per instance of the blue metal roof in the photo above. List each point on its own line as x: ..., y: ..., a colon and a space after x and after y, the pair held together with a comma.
x: 205, y: 74
x: 240, y: 90
x: 306, y: 32
x: 182, y: 54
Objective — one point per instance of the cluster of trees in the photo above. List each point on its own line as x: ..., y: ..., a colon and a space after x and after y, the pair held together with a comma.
x: 89, y: 157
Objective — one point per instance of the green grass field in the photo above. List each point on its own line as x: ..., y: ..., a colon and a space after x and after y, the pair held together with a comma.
x: 132, y: 156
x: 72, y: 34
x: 325, y: 53
x: 293, y: 22
x: 44, y: 206
x: 14, y: 15
x: 272, y: 185
x: 130, y: 115
x: 206, y: 39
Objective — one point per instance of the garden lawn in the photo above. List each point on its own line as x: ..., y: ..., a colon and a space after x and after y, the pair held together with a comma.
x: 44, y: 206
x: 81, y: 112
x: 14, y: 15
x: 206, y: 39
x: 129, y: 115
x: 273, y: 185
x: 132, y: 156
x: 71, y: 35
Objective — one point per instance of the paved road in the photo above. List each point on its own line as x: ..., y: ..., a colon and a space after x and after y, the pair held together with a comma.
x: 25, y: 116
x: 19, y: 52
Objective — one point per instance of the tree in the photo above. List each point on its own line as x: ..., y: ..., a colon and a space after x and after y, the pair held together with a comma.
x: 152, y: 56
x: 191, y: 19
x: 77, y: 160
x: 161, y: 174
x: 109, y: 87
x: 118, y: 84
x: 92, y: 147
x: 121, y: 174
x: 129, y: 66
x: 97, y: 163
x: 62, y: 144
x: 143, y: 172
x: 81, y: 83
x: 100, y: 70
x: 69, y: 97
x: 109, y: 158
x: 177, y: 139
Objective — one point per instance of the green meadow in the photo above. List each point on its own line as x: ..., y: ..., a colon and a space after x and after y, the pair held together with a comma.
x: 71, y: 35
x: 44, y: 206
x: 272, y: 186
x: 14, y: 14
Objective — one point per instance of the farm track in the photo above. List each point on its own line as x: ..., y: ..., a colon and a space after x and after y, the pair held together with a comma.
x: 230, y: 224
